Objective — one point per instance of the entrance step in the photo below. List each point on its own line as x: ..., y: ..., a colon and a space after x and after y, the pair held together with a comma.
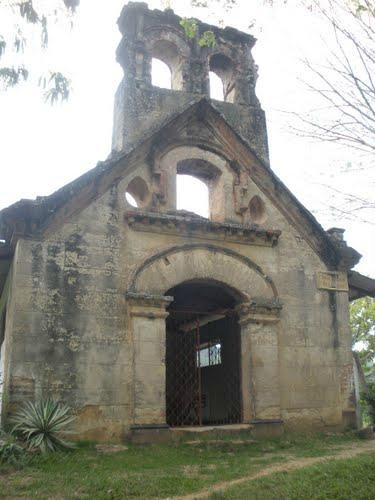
x: 212, y: 428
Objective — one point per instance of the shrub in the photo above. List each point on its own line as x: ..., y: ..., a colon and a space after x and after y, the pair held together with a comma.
x: 11, y: 451
x: 40, y: 424
x: 369, y: 398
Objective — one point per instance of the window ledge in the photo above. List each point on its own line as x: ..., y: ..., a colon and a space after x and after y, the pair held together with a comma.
x: 191, y: 225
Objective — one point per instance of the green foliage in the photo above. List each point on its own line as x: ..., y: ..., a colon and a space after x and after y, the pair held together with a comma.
x: 361, y: 7
x: 207, y: 39
x: 59, y: 89
x: 164, y: 471
x: 190, y: 27
x: 29, y: 12
x: 369, y: 398
x: 3, y: 45
x: 362, y: 324
x: 352, y: 478
x: 11, y: 451
x: 12, y: 76
x: 40, y: 424
x: 71, y: 4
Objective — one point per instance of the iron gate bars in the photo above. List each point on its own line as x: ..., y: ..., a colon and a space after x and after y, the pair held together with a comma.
x: 203, y: 371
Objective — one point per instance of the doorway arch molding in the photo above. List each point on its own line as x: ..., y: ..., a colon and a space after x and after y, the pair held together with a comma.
x: 258, y: 311
x: 180, y: 263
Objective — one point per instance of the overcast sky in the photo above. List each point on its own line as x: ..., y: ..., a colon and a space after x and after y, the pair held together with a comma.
x: 43, y: 147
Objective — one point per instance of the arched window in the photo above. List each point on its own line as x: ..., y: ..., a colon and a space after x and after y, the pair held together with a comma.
x: 216, y: 87
x: 257, y: 210
x: 137, y: 193
x: 223, y: 68
x: 131, y: 200
x: 166, y: 60
x: 192, y: 195
x: 161, y: 75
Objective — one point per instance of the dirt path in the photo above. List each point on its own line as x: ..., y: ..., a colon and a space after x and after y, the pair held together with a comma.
x: 290, y: 465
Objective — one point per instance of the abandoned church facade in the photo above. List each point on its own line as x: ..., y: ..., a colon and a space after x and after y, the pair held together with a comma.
x: 149, y: 317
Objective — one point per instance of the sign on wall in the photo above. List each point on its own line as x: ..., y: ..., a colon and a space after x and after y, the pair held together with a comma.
x: 332, y: 280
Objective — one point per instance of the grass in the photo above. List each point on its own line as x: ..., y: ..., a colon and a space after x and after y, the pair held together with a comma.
x: 340, y: 479
x: 158, y: 470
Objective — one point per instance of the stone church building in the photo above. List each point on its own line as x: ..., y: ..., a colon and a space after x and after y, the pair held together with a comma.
x: 152, y: 318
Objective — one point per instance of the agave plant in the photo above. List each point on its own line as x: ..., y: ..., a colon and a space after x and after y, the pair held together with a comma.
x: 40, y: 425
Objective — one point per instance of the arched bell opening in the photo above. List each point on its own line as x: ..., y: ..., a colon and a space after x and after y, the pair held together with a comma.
x: 203, y: 355
x: 222, y: 78
x: 167, y: 65
x: 161, y: 75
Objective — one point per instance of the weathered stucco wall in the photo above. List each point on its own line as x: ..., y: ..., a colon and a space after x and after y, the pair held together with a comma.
x: 73, y: 329
x: 72, y: 336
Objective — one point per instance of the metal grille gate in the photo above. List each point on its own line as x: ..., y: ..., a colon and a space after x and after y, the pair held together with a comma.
x: 203, y: 373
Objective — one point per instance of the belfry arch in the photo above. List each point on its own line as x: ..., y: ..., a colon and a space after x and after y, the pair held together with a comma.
x: 170, y: 48
x: 235, y: 305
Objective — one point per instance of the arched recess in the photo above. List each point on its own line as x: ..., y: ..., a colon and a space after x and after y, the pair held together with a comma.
x: 171, y: 49
x: 179, y: 264
x: 222, y: 66
x: 161, y: 75
x: 192, y: 195
x: 257, y: 313
x: 208, y: 166
x: 203, y: 365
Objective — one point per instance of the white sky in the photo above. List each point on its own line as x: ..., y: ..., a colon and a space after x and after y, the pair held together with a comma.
x: 42, y: 147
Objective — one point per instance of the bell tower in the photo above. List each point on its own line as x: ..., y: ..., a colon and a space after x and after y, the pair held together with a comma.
x: 140, y: 107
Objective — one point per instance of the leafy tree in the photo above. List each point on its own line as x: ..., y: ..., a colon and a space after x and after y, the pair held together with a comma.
x: 369, y: 399
x: 362, y: 324
x: 21, y: 21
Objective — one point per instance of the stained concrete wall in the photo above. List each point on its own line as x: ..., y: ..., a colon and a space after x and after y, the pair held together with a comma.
x: 69, y: 332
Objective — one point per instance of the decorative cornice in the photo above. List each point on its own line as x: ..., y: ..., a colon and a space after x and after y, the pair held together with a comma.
x: 200, y: 227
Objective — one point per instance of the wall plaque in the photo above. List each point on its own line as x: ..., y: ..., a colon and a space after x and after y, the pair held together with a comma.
x: 332, y: 280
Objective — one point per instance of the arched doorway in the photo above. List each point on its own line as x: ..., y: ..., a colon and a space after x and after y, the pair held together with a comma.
x: 204, y: 280
x: 203, y: 355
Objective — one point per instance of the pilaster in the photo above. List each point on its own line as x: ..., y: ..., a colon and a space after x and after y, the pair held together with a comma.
x: 148, y: 314
x: 259, y: 321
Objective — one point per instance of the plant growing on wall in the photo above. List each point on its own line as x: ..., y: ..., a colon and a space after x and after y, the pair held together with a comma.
x: 207, y: 39
x: 40, y: 425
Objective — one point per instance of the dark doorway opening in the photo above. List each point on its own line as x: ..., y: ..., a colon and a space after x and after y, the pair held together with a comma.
x: 203, y: 356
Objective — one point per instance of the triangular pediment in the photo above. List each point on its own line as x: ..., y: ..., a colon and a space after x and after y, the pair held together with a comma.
x: 199, y: 124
